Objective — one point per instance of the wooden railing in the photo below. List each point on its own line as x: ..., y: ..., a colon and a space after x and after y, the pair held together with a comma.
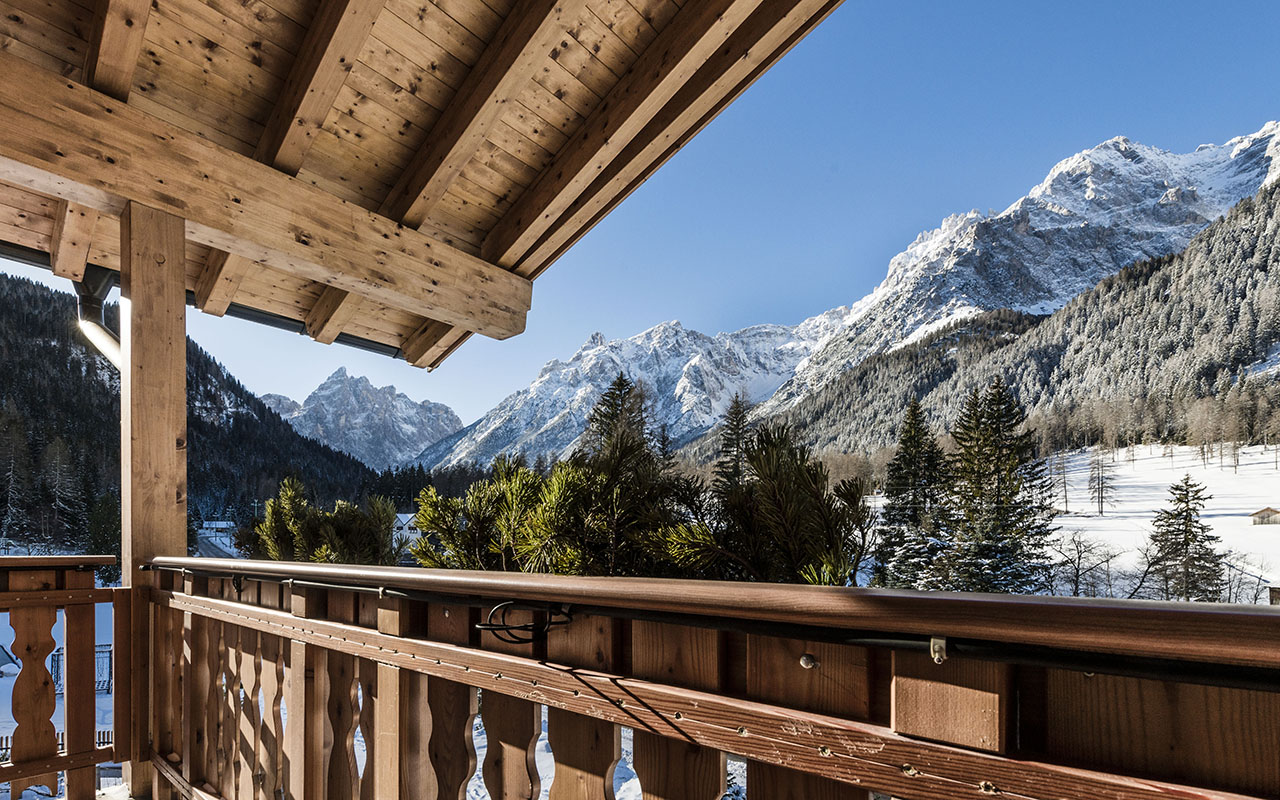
x: 266, y: 675
x: 32, y: 590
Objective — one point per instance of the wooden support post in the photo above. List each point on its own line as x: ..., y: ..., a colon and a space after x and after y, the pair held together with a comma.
x: 453, y: 709
x: 512, y: 726
x: 586, y: 750
x: 153, y: 423
x: 306, y: 693
x: 960, y: 701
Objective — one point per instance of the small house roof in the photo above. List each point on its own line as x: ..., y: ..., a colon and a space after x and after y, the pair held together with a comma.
x: 1265, y: 512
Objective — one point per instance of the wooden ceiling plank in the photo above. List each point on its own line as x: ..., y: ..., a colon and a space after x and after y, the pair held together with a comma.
x: 330, y: 48
x: 219, y: 281
x: 764, y: 38
x: 119, y: 27
x: 73, y: 226
x: 505, y: 67
x: 331, y: 313
x: 691, y: 38
x: 67, y: 141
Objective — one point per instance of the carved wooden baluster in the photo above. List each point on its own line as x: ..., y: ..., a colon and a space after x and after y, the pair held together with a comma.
x: 367, y: 672
x: 216, y: 705
x: 672, y: 769
x: 230, y: 702
x: 271, y: 671
x: 33, y: 692
x: 401, y: 766
x: 512, y: 726
x: 166, y: 674
x: 586, y: 750
x: 196, y: 738
x: 343, y: 777
x: 453, y: 707
x: 807, y: 676
x: 250, y: 670
x: 79, y: 702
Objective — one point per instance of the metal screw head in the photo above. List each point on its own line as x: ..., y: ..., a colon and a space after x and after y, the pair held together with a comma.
x: 808, y: 661
x: 824, y: 751
x: 909, y: 770
x: 987, y: 787
x: 742, y: 731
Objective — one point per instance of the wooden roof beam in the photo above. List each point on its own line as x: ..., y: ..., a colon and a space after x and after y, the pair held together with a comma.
x: 757, y: 45
x: 220, y: 280
x: 529, y: 33
x: 687, y: 41
x: 64, y: 140
x: 114, y: 44
x: 72, y: 234
x: 331, y: 46
x: 420, y: 348
x: 332, y: 311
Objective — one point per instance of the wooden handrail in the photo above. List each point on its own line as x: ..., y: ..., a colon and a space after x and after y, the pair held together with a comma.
x: 55, y: 562
x: 1202, y: 632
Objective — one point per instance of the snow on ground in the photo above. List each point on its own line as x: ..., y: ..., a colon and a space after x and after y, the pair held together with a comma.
x: 1142, y: 478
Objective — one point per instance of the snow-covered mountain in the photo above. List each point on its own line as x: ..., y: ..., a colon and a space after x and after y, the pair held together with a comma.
x: 1094, y: 213
x: 378, y: 425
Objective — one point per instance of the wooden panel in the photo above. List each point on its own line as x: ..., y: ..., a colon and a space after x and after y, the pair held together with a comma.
x: 343, y: 779
x: 388, y: 711
x: 672, y: 769
x: 271, y: 738
x: 960, y: 701
x: 332, y: 44
x: 512, y: 727
x: 681, y: 49
x: 306, y: 690
x: 809, y: 676
x: 1205, y: 735
x: 69, y: 243
x: 118, y: 31
x: 166, y: 685
x: 502, y: 72
x: 196, y: 686
x: 80, y: 704
x: 33, y: 699
x: 273, y: 218
x: 586, y: 750
x: 453, y: 709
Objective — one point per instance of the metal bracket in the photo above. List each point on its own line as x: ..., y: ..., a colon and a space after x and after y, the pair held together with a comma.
x: 938, y: 649
x: 523, y: 632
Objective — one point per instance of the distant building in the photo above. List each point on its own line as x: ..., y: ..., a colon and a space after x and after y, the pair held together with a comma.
x: 217, y: 526
x: 405, y: 527
x: 1267, y: 516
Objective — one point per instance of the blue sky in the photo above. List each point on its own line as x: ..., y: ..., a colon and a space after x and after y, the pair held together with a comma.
x: 888, y: 117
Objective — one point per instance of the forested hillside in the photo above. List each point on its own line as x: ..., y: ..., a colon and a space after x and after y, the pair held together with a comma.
x: 1185, y: 347
x: 60, y: 429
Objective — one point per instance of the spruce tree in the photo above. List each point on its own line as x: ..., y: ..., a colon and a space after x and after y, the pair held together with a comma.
x: 1185, y: 563
x: 735, y: 435
x: 915, y: 488
x: 1000, y: 514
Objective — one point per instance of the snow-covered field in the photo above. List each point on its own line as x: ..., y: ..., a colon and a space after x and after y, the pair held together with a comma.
x: 1142, y: 478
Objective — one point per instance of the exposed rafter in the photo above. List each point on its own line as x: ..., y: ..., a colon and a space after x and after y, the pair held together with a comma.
x: 219, y: 281
x: 692, y: 37
x: 332, y: 311
x: 420, y: 348
x: 72, y: 234
x: 118, y: 30
x: 530, y: 31
x: 67, y: 141
x: 332, y: 43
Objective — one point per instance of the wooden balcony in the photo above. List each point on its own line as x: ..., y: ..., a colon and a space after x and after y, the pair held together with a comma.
x: 255, y: 680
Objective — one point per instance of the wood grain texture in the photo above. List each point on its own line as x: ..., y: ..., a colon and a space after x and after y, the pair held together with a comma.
x: 837, y: 682
x: 960, y: 701
x: 1204, y: 735
x: 512, y: 726
x: 33, y: 695
x: 332, y: 43
x: 118, y: 31
x: 78, y: 687
x: 72, y: 235
x: 586, y: 750
x: 220, y: 280
x: 106, y: 153
x: 331, y: 313
x: 454, y: 706
x: 507, y: 65
x: 669, y: 768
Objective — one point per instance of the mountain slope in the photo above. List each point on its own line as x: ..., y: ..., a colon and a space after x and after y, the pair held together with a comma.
x: 1094, y: 213
x: 378, y: 425
x: 1155, y: 337
x: 54, y: 386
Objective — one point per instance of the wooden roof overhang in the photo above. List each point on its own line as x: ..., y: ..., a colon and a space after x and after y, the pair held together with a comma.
x: 395, y: 172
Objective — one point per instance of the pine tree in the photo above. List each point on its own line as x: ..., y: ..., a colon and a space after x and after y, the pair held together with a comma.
x: 1000, y: 514
x: 1185, y: 562
x: 735, y: 434
x: 1101, y: 484
x: 915, y: 488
